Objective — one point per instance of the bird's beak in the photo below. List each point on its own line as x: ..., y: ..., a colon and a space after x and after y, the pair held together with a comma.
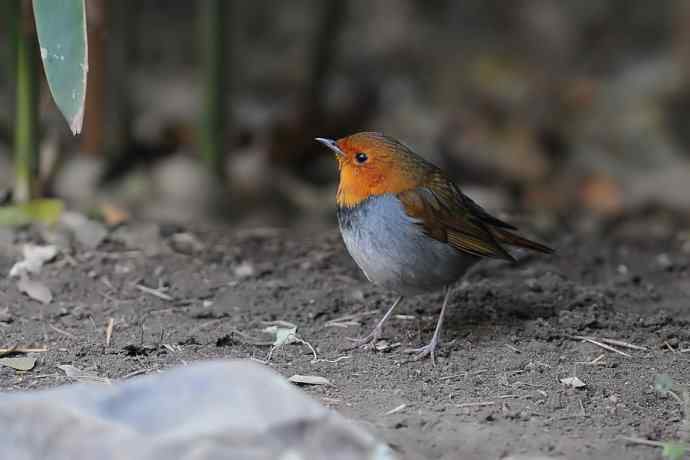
x: 331, y: 144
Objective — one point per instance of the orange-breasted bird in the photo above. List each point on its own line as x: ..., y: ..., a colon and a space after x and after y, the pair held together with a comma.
x: 408, y: 226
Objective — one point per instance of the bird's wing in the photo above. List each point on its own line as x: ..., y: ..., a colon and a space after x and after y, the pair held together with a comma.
x: 502, y: 231
x: 441, y: 209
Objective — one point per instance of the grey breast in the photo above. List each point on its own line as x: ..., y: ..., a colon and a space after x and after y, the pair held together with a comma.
x: 394, y: 252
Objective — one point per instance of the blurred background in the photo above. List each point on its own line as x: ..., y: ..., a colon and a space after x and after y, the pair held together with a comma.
x: 557, y: 111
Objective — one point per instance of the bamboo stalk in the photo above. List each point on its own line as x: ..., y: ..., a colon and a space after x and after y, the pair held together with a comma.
x: 9, y: 12
x: 213, y: 20
x: 26, y: 122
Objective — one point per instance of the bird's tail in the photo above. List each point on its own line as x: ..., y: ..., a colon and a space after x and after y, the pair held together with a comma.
x: 513, y: 239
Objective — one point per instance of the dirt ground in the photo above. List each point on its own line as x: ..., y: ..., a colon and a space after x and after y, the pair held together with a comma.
x: 509, y: 339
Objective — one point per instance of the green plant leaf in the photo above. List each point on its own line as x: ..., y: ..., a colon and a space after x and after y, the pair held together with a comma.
x: 663, y: 383
x: 61, y: 28
x: 46, y: 211
x: 674, y: 451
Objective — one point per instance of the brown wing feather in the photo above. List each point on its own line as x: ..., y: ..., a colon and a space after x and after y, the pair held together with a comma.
x: 445, y: 221
x: 450, y: 216
x: 484, y: 216
x: 507, y: 237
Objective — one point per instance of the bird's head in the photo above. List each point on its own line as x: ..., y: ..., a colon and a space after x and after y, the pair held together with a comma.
x: 372, y: 164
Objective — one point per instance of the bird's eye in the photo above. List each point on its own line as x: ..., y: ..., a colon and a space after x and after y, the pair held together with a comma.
x: 361, y: 157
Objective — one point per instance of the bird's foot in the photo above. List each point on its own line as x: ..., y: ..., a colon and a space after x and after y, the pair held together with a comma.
x: 426, y: 350
x: 367, y: 342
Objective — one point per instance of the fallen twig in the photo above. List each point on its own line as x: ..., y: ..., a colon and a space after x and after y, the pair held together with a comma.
x: 297, y: 339
x: 304, y: 342
x: 623, y: 344
x: 600, y: 344
x: 476, y: 404
x: 153, y: 292
x: 15, y: 349
x: 516, y: 350
x: 593, y: 362
x: 405, y: 317
x: 349, y: 320
x: 109, y: 331
x: 137, y: 372
x: 396, y: 409
x: 645, y: 442
x: 333, y: 361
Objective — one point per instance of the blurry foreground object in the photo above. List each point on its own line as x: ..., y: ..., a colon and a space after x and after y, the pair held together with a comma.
x: 212, y: 410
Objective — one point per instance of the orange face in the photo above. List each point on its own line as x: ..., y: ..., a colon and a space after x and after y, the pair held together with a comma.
x: 370, y: 164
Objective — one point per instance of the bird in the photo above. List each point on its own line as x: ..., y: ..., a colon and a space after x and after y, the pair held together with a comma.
x: 409, y: 227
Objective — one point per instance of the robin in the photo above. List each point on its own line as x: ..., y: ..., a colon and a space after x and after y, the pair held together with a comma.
x: 410, y: 228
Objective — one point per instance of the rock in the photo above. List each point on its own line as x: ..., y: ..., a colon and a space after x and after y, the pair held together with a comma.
x: 184, y: 191
x: 186, y: 243
x: 77, y: 180
x: 244, y: 270
x: 642, y: 188
x: 87, y: 232
x: 209, y: 411
x: 144, y: 236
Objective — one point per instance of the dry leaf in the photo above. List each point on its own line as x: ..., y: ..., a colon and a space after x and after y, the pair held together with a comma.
x: 384, y: 345
x: 35, y: 289
x: 309, y: 380
x: 82, y: 376
x: 34, y: 258
x: 602, y: 194
x: 19, y: 364
x: 283, y: 334
x: 244, y: 270
x: 112, y: 215
x: 573, y: 382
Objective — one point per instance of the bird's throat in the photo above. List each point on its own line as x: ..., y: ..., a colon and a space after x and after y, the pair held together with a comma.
x: 358, y: 184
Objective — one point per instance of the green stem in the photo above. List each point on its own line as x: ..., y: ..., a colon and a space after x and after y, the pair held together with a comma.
x: 26, y: 122
x: 9, y: 11
x: 213, y: 26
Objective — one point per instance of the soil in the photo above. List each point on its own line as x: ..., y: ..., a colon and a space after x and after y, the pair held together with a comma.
x: 510, y: 337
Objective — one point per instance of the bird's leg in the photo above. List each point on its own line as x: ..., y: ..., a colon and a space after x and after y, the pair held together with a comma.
x: 430, y: 349
x: 375, y: 334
